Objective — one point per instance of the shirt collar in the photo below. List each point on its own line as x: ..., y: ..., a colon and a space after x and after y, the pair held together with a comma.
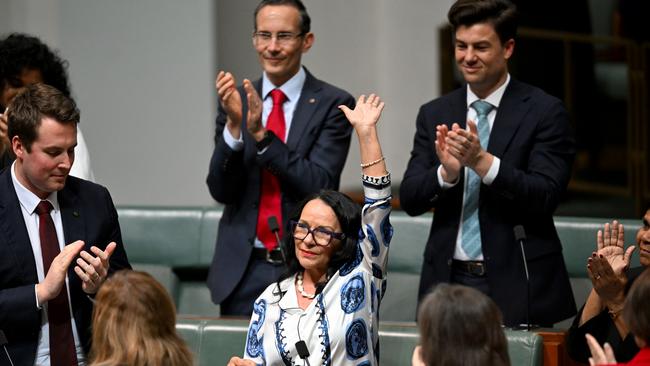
x: 27, y: 198
x: 494, y: 98
x: 291, y: 88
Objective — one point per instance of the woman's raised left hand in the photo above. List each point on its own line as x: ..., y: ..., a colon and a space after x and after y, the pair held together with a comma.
x: 366, y: 113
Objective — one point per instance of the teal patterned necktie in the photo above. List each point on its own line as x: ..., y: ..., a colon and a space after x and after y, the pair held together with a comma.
x: 471, y: 237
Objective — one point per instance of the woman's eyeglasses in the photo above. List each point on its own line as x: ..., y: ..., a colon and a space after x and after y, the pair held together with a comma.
x: 322, y: 236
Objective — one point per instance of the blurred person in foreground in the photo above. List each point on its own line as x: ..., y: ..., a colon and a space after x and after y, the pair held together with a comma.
x: 134, y: 323
x: 636, y: 314
x: 460, y: 326
x: 336, y: 255
x: 611, y: 278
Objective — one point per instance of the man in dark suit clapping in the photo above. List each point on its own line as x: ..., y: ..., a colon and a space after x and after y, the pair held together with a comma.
x: 277, y: 140
x: 508, y: 165
x: 59, y: 235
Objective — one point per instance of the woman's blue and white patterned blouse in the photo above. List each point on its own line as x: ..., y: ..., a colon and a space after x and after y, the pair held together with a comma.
x: 340, y: 326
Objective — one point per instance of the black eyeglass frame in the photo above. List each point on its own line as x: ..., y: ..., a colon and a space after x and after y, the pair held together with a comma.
x: 280, y: 37
x: 332, y: 235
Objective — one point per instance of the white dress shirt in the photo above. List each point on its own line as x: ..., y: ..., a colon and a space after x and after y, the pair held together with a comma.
x: 28, y: 202
x: 495, y: 100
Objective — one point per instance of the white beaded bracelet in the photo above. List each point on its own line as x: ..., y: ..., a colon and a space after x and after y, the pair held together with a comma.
x: 366, y: 165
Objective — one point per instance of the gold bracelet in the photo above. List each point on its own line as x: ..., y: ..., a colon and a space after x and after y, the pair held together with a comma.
x: 367, y: 165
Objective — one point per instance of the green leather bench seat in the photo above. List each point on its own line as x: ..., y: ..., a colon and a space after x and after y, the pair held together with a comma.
x: 176, y: 245
x: 214, y: 341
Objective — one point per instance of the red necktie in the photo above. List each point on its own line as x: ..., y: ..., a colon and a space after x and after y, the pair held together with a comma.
x: 62, y: 349
x: 270, y: 198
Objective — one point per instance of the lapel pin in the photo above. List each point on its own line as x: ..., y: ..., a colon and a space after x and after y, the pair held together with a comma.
x: 312, y: 101
x: 75, y: 213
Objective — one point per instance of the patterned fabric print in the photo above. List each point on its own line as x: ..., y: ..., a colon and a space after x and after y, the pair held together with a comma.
x: 376, y: 271
x: 356, y: 340
x: 373, y: 241
x: 340, y: 326
x: 353, y: 294
x: 373, y: 291
x: 324, y: 336
x: 386, y: 231
x: 254, y: 345
x: 350, y: 266
x: 280, y: 339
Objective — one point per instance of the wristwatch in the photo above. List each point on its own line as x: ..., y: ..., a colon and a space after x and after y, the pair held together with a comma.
x: 265, y: 141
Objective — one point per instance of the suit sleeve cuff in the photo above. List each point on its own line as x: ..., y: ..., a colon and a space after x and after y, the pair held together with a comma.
x: 492, y: 172
x: 38, y: 306
x: 233, y: 143
x: 442, y: 183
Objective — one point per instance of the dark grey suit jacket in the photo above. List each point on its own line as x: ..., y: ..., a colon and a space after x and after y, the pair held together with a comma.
x: 312, y: 159
x: 531, y: 135
x: 88, y: 214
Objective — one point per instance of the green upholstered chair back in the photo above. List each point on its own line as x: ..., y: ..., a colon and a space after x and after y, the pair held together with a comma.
x: 214, y: 341
x: 410, y: 235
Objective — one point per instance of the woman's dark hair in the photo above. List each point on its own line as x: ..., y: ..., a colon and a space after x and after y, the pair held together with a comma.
x: 502, y: 14
x: 636, y: 312
x: 19, y: 52
x: 461, y: 326
x: 347, y: 213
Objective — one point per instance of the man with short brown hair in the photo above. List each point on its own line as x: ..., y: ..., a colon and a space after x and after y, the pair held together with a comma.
x: 47, y: 220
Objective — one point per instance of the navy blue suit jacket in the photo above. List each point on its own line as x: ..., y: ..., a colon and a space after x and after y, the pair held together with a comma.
x: 88, y: 214
x: 531, y: 135
x: 312, y: 159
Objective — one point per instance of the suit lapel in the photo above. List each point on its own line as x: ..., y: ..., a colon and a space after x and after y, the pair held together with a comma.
x: 459, y: 109
x: 305, y: 108
x: 512, y: 109
x: 12, y: 225
x: 74, y: 227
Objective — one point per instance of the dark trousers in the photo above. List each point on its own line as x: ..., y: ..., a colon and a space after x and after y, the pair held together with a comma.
x: 478, y: 282
x: 258, y: 276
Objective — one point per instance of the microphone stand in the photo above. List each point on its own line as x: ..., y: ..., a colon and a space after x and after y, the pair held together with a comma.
x: 275, y: 229
x: 3, y: 342
x: 520, y: 236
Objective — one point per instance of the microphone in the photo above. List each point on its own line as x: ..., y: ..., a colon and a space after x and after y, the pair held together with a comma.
x: 275, y: 229
x: 520, y: 236
x: 3, y: 342
x: 303, y: 352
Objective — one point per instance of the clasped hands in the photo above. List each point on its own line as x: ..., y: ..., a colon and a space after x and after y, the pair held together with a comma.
x: 458, y: 148
x: 92, y: 270
x: 607, y: 266
x: 232, y: 104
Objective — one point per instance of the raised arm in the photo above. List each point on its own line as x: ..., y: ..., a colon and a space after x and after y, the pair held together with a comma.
x: 364, y: 118
x: 377, y: 231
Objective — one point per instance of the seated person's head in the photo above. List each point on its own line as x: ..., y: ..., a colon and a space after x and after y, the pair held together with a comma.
x: 643, y: 239
x: 461, y: 326
x: 334, y: 221
x: 636, y: 312
x: 134, y: 323
x: 26, y: 60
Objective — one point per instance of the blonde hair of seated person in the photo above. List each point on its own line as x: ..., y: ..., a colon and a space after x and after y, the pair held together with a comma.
x: 134, y: 323
x: 460, y: 326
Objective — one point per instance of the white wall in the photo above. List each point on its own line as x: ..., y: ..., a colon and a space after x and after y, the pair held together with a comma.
x: 143, y: 75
